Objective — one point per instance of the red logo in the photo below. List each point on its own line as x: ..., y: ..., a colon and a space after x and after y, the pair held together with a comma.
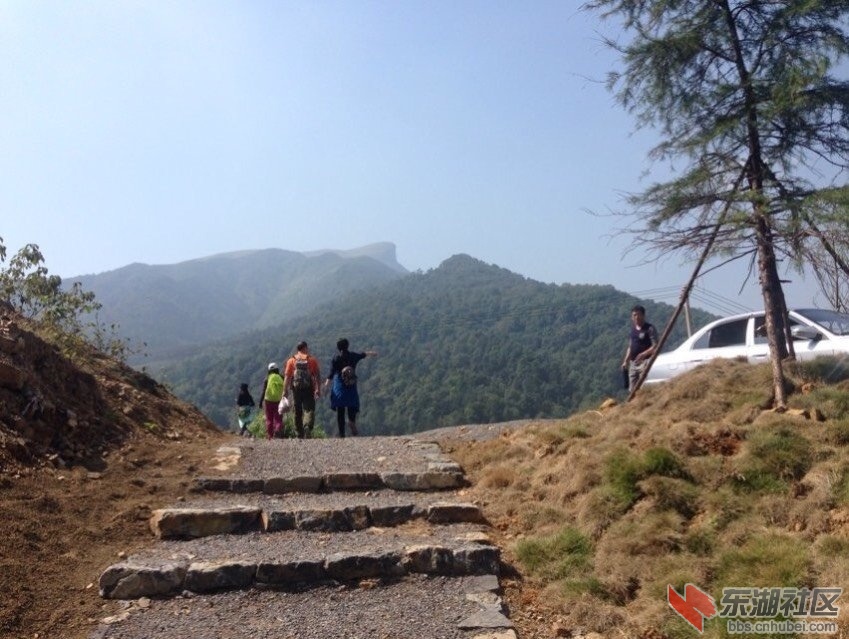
x: 695, y: 606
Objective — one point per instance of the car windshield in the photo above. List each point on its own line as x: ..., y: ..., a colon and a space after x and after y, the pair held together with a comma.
x: 833, y: 322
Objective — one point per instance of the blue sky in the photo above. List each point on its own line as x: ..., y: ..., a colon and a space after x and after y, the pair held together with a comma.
x: 160, y: 131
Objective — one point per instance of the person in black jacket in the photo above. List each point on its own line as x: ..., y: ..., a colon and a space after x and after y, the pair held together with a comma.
x: 641, y: 345
x: 344, y: 396
x: 244, y: 408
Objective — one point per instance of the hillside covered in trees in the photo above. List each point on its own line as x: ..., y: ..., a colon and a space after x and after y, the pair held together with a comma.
x: 466, y: 342
x: 174, y: 308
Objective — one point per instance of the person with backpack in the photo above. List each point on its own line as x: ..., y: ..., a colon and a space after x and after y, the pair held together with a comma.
x: 244, y: 409
x: 303, y: 377
x: 343, y: 392
x: 272, y: 393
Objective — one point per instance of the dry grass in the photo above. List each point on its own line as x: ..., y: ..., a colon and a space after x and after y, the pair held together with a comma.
x: 693, y: 482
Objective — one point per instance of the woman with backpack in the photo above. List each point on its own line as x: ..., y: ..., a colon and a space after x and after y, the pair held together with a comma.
x: 272, y: 393
x: 343, y: 392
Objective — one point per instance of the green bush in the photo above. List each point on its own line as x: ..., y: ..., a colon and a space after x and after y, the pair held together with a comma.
x: 776, y: 455
x: 557, y: 556
x: 624, y: 471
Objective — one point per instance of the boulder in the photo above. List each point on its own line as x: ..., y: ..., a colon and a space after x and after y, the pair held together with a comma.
x: 131, y: 580
x: 189, y: 523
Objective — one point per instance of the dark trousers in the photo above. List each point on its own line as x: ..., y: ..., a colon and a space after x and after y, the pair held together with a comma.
x: 352, y: 419
x: 304, y: 401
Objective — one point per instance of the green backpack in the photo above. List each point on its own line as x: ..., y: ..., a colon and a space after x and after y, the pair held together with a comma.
x: 274, y: 388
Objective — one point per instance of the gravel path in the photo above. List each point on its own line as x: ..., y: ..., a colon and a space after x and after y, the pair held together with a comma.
x: 298, y: 457
x: 401, y: 609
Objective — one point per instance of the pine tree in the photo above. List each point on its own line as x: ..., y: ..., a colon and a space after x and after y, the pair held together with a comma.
x: 745, y: 93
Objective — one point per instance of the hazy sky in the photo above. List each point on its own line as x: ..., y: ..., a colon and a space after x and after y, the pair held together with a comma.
x: 159, y: 131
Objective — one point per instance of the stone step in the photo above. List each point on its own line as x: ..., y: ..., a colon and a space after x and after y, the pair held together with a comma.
x: 410, y: 607
x: 326, y: 513
x: 224, y: 562
x: 326, y: 482
x: 322, y: 465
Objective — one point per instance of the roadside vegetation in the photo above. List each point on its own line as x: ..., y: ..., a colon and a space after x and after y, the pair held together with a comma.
x: 66, y: 315
x: 695, y: 481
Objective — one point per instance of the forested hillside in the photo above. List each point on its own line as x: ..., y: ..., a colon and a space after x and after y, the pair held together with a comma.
x: 173, y: 308
x: 464, y: 343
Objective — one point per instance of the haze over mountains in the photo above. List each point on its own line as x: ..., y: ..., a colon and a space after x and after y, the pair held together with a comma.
x: 174, y: 308
x: 466, y: 342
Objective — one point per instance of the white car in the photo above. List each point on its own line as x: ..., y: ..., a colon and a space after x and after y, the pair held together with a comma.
x: 815, y: 332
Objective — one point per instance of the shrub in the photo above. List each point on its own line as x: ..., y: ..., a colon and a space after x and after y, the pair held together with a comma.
x: 776, y: 455
x: 556, y: 556
x: 624, y: 471
x: 765, y: 560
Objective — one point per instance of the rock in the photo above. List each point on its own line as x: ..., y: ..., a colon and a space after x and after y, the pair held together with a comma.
x: 432, y: 560
x: 485, y: 619
x: 190, y: 523
x: 348, y: 566
x: 444, y: 467
x: 131, y: 580
x: 211, y: 576
x: 481, y: 583
x: 485, y: 598
x: 477, y: 560
x: 453, y: 513
x: 280, y: 485
x: 291, y: 572
x: 422, y: 481
x: 358, y: 517
x: 322, y: 520
x: 391, y: 515
x: 351, y: 481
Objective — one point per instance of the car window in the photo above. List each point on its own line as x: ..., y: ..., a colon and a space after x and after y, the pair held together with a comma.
x: 728, y: 334
x: 837, y: 323
x: 760, y: 330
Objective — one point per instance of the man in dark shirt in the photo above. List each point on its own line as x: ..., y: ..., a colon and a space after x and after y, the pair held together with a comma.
x: 640, y: 347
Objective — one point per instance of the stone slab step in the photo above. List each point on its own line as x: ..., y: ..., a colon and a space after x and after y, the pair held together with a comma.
x: 309, y: 466
x: 329, y: 513
x: 412, y: 607
x: 223, y: 562
x: 278, y: 485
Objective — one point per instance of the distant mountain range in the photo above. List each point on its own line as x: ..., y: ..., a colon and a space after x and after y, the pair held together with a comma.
x: 466, y: 342
x: 176, y: 308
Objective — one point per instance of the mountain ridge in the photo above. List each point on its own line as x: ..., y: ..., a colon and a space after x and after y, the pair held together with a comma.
x: 187, y: 304
x: 466, y: 342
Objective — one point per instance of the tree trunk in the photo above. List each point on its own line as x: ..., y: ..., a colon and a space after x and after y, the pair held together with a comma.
x: 773, y: 308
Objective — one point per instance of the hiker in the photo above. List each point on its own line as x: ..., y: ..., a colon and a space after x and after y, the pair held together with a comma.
x: 272, y: 393
x: 302, y: 377
x: 642, y: 344
x: 343, y: 394
x: 244, y: 409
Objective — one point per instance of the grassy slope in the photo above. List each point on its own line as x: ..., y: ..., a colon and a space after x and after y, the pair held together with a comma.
x: 691, y: 483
